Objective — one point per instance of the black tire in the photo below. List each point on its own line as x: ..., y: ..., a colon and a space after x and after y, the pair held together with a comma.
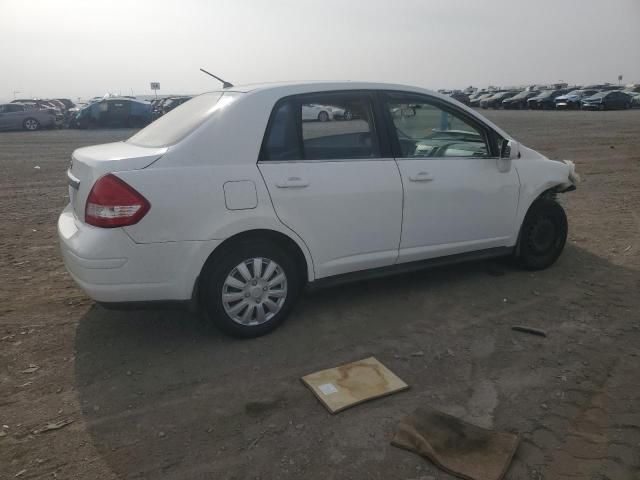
x: 216, y: 272
x: 31, y: 124
x: 323, y: 116
x: 543, y: 235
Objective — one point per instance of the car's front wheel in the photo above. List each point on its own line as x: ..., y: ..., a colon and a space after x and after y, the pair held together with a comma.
x: 31, y: 124
x: 543, y: 234
x: 323, y: 116
x: 250, y: 290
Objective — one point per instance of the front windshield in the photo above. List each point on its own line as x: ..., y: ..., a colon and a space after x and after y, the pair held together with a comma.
x: 546, y: 93
x: 181, y: 121
x: 600, y: 95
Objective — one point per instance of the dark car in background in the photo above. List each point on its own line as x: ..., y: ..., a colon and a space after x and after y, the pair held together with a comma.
x: 113, y: 112
x: 608, y: 100
x: 475, y: 101
x: 635, y: 98
x: 461, y: 97
x: 572, y: 99
x: 495, y: 101
x: 172, y: 102
x: 156, y: 108
x: 545, y: 100
x: 519, y: 101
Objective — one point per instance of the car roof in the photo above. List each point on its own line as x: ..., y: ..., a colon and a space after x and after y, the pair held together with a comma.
x: 284, y: 89
x: 296, y: 87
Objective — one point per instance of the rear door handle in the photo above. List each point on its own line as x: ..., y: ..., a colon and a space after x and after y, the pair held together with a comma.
x: 293, y: 182
x: 421, y: 177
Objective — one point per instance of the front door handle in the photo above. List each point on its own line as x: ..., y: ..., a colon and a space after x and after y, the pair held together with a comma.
x: 421, y: 177
x: 293, y: 182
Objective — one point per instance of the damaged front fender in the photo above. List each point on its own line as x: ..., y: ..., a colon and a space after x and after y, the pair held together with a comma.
x: 572, y: 180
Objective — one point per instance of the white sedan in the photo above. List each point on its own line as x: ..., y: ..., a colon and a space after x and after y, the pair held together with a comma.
x: 323, y: 113
x: 233, y: 203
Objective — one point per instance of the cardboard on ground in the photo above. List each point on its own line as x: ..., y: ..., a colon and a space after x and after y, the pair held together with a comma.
x: 348, y: 385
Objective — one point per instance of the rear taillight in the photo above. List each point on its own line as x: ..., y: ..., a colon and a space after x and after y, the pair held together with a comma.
x: 112, y: 203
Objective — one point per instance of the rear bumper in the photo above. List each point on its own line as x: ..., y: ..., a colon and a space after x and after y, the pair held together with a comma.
x: 111, y: 268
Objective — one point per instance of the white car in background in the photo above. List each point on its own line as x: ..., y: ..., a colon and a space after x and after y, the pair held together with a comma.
x: 324, y: 113
x: 231, y: 202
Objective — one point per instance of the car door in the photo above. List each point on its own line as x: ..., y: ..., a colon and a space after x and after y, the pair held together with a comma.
x: 334, y: 183
x: 456, y: 199
x: 118, y: 113
x: 13, y: 116
x: 3, y: 117
x: 619, y: 99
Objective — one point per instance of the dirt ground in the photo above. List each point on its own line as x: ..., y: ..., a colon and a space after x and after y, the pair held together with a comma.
x: 153, y: 394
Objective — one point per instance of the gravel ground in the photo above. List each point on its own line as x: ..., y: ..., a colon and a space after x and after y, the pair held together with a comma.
x: 154, y: 394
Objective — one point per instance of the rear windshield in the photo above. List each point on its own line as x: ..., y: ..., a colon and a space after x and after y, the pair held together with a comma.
x: 181, y: 121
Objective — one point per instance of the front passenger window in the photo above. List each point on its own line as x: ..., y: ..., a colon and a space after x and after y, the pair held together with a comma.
x: 425, y: 130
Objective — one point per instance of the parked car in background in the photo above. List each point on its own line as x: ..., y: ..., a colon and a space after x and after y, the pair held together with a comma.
x: 607, y: 100
x: 461, y: 97
x: 16, y: 116
x: 249, y: 226
x: 156, y: 107
x: 113, y: 112
x: 572, y: 99
x: 38, y: 104
x: 475, y: 101
x: 635, y: 98
x: 67, y: 103
x: 519, y: 101
x: 495, y: 101
x: 545, y: 99
x: 172, y: 102
x: 323, y: 113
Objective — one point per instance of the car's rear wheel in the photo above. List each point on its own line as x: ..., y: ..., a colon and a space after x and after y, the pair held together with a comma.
x: 250, y: 290
x: 31, y: 124
x: 543, y: 235
x: 323, y: 116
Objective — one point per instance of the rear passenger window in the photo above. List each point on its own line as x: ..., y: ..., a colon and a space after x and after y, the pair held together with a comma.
x: 322, y: 127
x: 338, y: 127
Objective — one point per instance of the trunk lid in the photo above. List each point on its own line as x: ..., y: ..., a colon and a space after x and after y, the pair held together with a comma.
x: 88, y: 164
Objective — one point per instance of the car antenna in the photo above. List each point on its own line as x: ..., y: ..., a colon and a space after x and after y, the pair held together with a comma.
x: 224, y: 83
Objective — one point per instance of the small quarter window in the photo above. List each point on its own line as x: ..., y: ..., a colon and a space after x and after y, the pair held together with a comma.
x: 282, y: 142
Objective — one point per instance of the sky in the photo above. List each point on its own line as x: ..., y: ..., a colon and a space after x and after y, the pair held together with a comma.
x: 85, y: 48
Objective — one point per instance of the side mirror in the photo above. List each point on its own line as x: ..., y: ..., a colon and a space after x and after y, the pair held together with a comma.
x: 508, y: 151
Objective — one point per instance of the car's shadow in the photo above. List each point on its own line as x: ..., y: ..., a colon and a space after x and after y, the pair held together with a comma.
x: 165, y: 396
